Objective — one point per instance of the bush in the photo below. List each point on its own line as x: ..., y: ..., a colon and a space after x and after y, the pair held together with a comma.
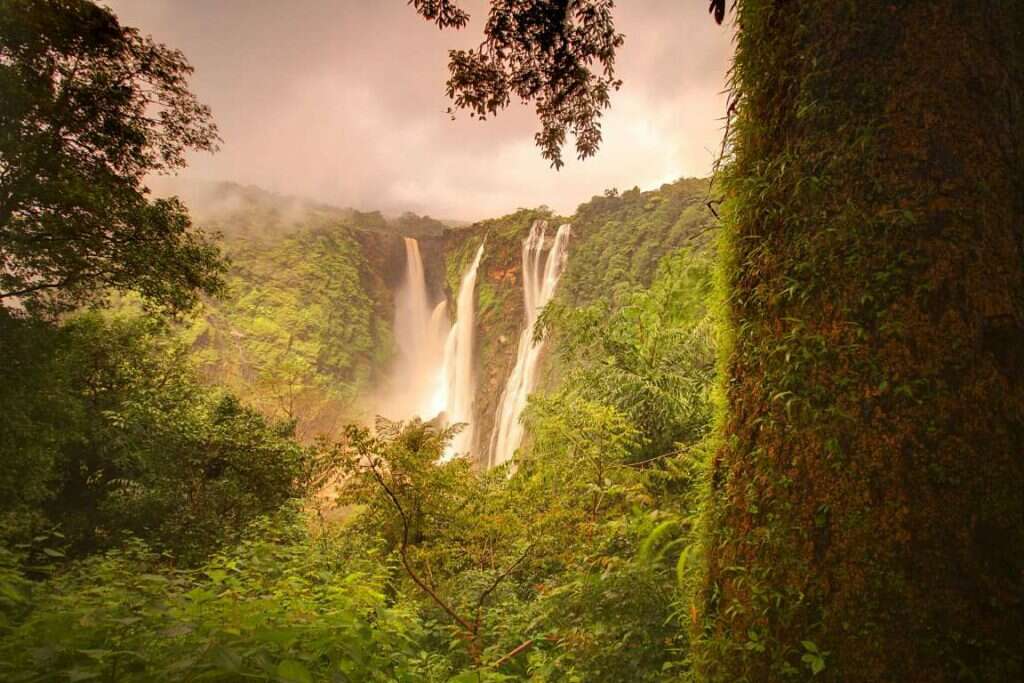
x: 107, y: 431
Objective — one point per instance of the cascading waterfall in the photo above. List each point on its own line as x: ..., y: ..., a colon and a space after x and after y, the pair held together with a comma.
x: 421, y: 332
x: 439, y: 329
x: 538, y: 288
x: 458, y: 362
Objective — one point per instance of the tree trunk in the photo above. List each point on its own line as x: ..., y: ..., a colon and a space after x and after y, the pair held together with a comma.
x: 865, y: 514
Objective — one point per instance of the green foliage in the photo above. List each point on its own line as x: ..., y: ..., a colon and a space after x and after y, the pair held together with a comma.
x: 562, y: 56
x: 108, y: 431
x: 652, y: 358
x: 285, y: 605
x: 88, y: 108
x: 550, y: 574
x: 619, y: 240
x: 412, y: 225
x: 301, y: 332
x: 456, y: 541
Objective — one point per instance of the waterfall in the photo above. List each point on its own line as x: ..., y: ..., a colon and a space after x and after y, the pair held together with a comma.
x: 420, y: 331
x: 458, y: 362
x: 538, y: 288
x: 438, y: 330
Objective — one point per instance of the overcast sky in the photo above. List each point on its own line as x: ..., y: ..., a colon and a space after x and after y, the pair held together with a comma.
x: 343, y: 101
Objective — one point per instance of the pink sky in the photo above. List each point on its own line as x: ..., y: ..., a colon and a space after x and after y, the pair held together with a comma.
x: 343, y: 101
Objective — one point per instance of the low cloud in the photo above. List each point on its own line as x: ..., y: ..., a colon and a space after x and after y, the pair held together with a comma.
x: 342, y: 101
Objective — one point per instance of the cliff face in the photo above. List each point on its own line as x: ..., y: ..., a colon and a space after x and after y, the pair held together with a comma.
x: 432, y: 251
x: 306, y: 329
x: 616, y: 244
x: 500, y: 313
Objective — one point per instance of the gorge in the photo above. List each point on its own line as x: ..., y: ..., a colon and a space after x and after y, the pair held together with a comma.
x: 434, y: 377
x: 437, y: 321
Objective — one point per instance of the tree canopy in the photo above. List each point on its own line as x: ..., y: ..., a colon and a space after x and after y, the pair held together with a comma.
x: 558, y: 54
x: 88, y: 107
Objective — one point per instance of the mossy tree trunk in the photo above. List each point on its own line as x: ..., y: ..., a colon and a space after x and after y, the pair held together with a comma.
x: 866, y: 502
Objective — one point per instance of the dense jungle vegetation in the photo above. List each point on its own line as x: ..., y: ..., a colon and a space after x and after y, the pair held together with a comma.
x: 777, y: 438
x: 302, y: 329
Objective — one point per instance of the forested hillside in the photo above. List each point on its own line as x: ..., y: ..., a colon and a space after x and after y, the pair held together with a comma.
x: 304, y: 328
x: 302, y: 333
x: 758, y: 427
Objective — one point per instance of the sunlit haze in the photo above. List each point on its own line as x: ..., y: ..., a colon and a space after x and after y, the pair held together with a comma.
x: 343, y: 101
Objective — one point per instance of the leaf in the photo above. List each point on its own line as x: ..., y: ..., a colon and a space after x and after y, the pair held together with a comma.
x: 292, y: 671
x: 660, y: 533
x: 279, y: 636
x: 682, y: 564
x: 815, y: 662
x: 217, y: 575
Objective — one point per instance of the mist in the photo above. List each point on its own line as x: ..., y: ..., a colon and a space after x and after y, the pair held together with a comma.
x: 343, y: 102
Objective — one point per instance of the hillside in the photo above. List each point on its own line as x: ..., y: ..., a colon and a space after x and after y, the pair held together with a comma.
x: 305, y: 330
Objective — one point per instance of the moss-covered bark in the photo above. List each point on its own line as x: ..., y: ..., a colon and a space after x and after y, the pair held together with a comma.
x: 865, y: 514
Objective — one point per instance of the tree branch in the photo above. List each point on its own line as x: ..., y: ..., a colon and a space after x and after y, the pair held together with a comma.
x: 519, y: 648
x: 403, y: 553
x: 33, y: 288
x: 494, y: 584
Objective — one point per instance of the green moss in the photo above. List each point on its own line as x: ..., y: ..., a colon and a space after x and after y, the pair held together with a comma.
x: 866, y: 417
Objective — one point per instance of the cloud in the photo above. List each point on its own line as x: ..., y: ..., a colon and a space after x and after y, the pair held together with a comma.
x: 343, y: 101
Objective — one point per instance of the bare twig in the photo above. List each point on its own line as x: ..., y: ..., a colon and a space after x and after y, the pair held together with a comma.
x: 519, y: 648
x: 501, y: 577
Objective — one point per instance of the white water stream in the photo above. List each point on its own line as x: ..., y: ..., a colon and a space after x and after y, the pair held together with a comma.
x: 420, y: 332
x: 458, y: 362
x: 538, y: 288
